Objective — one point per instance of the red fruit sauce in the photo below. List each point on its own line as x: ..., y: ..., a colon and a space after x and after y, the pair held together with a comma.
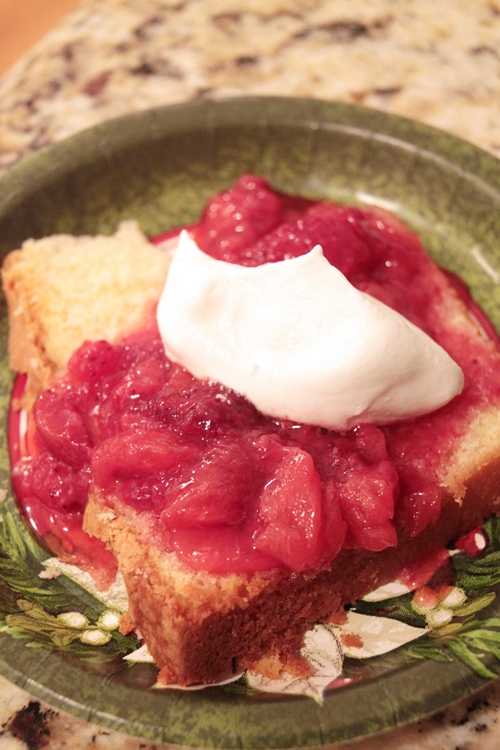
x: 229, y: 488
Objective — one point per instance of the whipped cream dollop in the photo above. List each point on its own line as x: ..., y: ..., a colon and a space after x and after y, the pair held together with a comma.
x: 299, y: 341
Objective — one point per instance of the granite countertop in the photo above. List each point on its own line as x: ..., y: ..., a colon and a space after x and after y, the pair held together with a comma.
x: 433, y: 60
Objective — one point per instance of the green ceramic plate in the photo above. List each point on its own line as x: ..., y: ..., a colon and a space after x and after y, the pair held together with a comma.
x: 160, y: 167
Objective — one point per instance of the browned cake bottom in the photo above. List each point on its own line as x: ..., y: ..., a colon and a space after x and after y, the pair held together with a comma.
x: 202, y: 628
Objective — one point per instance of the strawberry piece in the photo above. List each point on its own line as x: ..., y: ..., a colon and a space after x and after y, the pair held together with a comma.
x: 62, y: 428
x: 216, y: 491
x: 237, y: 217
x: 367, y: 494
x: 290, y: 510
x: 139, y: 452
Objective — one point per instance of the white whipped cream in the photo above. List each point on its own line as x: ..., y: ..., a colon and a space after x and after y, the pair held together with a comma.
x: 299, y: 341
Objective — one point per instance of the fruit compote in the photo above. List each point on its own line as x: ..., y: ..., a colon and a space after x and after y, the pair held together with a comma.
x: 228, y: 488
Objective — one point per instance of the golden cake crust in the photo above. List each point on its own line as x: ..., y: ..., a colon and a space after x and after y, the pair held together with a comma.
x: 63, y: 290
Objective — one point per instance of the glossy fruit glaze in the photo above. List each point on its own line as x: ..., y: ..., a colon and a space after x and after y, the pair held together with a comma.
x: 228, y: 488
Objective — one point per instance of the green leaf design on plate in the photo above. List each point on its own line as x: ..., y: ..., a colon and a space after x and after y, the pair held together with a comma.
x: 484, y: 570
x: 460, y: 635
x: 54, y: 614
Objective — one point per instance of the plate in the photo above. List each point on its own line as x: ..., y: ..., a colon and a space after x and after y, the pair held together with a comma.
x: 160, y: 167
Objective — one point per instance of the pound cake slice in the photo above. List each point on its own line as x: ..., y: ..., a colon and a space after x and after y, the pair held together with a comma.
x: 62, y: 291
x: 235, y: 532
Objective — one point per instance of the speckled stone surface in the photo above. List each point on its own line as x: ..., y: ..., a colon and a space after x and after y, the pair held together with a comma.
x: 433, y: 60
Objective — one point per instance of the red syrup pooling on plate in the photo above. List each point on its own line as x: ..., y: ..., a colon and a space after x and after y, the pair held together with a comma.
x: 230, y: 489
x: 57, y: 524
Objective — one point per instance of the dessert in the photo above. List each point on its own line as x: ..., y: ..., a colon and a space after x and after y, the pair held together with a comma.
x: 234, y: 529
